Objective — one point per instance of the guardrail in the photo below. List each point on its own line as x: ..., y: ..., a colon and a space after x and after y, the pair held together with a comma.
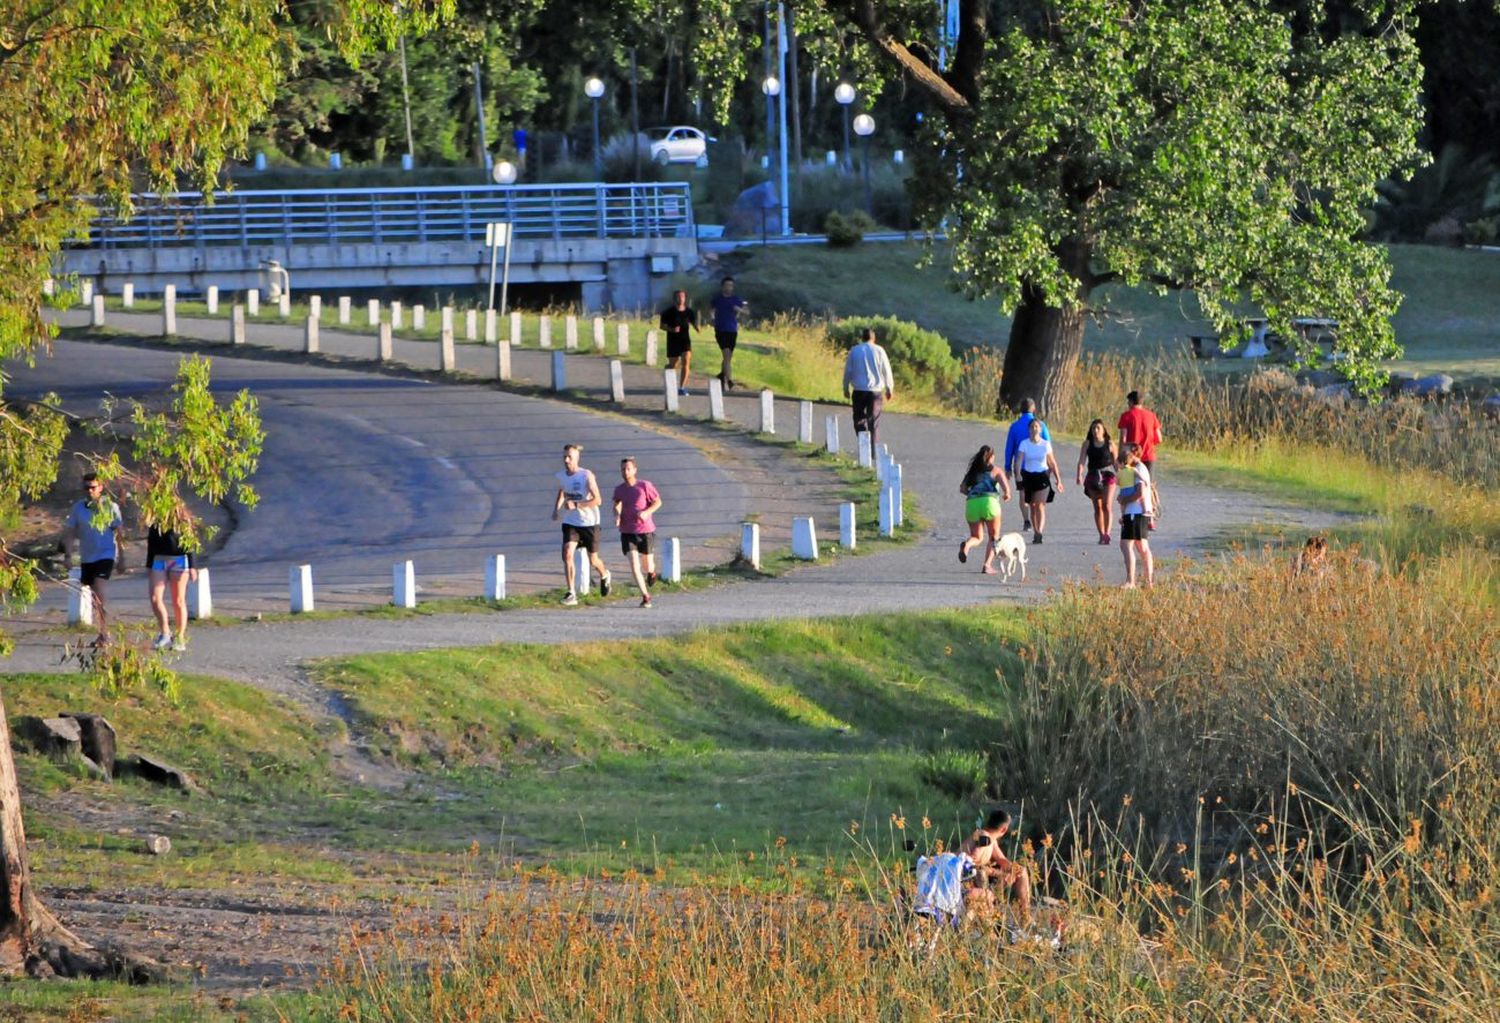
x: 398, y: 215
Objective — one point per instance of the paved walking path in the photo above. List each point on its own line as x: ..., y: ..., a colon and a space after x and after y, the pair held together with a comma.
x: 922, y: 575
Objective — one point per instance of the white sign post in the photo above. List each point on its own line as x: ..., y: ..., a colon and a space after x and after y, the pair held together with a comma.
x: 497, y: 236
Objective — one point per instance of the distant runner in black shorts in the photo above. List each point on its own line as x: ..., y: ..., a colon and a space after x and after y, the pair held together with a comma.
x: 727, y: 306
x: 678, y: 321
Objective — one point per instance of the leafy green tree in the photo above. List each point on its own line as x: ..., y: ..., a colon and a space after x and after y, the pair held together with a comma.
x: 100, y: 98
x: 1223, y: 146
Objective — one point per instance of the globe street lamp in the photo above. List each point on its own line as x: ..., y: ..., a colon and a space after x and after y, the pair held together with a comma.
x: 864, y: 127
x: 505, y: 173
x: 845, y: 96
x: 593, y: 89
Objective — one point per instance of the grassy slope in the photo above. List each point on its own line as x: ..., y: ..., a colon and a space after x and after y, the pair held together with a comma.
x: 1448, y: 322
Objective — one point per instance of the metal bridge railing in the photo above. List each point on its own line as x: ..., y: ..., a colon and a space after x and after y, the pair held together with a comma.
x: 399, y: 215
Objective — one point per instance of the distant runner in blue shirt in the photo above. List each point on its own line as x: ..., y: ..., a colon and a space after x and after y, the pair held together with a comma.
x: 1019, y: 431
x: 727, y: 306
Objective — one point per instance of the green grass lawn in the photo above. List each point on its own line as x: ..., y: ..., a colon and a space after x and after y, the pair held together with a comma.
x: 1449, y: 322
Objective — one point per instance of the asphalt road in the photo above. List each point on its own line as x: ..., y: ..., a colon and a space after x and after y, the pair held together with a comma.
x: 363, y: 470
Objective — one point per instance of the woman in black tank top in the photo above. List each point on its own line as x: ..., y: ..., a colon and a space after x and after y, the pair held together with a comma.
x: 1096, y: 472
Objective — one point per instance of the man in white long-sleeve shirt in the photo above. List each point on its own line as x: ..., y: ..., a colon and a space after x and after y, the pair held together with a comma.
x: 867, y: 381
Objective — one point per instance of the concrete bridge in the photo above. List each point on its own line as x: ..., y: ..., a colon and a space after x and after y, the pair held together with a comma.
x: 605, y: 246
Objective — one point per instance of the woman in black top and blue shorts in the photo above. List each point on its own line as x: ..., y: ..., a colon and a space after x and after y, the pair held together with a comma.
x: 170, y: 564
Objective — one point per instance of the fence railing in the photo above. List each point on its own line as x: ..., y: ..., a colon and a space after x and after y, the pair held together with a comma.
x: 399, y: 215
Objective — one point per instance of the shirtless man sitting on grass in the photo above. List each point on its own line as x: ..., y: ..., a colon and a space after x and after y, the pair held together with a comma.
x: 993, y: 870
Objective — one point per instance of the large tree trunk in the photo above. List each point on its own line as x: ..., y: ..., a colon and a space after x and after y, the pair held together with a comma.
x: 32, y: 942
x: 1041, y: 360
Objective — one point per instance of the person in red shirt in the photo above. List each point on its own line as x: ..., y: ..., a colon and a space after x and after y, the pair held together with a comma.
x: 1139, y: 426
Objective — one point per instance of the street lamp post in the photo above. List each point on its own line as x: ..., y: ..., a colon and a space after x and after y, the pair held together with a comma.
x: 845, y: 96
x: 772, y: 88
x: 864, y: 127
x: 593, y: 89
x: 498, y: 235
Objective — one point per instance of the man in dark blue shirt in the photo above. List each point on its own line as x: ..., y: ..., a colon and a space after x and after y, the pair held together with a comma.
x: 727, y: 306
x: 1014, y: 436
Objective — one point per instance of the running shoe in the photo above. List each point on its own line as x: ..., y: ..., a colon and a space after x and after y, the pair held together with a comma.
x: 571, y: 600
x: 646, y: 602
x: 179, y: 644
x: 604, y: 585
x: 1037, y: 538
x: 682, y: 392
x: 963, y: 552
x: 651, y: 578
x: 162, y: 642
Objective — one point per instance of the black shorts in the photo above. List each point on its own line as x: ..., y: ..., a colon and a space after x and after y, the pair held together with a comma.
x: 1033, y: 483
x: 1135, y: 527
x: 727, y: 339
x: 645, y: 543
x: 586, y: 537
x: 91, y: 570
x: 678, y: 345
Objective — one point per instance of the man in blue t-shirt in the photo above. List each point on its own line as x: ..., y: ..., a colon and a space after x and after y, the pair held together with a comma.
x: 727, y: 306
x: 1019, y: 430
x: 93, y: 525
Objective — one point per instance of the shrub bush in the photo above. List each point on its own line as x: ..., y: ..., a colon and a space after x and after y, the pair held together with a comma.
x: 846, y: 231
x: 921, y: 359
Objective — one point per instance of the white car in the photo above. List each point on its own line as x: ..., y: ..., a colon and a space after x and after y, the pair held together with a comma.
x: 678, y: 145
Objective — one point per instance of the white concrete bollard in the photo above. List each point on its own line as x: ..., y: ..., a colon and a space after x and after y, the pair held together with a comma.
x: 559, y: 372
x: 804, y: 422
x: 404, y: 584
x: 471, y: 325
x: 598, y: 333
x: 622, y: 339
x: 515, y: 329
x: 887, y: 516
x: 418, y: 317
x: 252, y: 301
x: 767, y: 412
x: 237, y: 324
x: 544, y: 331
x: 300, y: 580
x: 494, y: 577
x: 804, y: 539
x: 848, y: 518
x: 617, y: 381
x: 502, y: 361
x: 343, y: 310
x: 398, y: 316
x: 127, y: 295
x: 831, y: 434
x: 863, y: 437
x: 581, y: 580
x: 651, y: 347
x: 750, y: 544
x: 86, y: 292
x: 315, y: 306
x: 570, y: 333
x: 49, y: 287
x: 372, y: 312
x: 491, y: 328
x: 883, y: 453
x: 715, y: 399
x: 169, y: 311
x: 881, y: 465
x: 671, y: 561
x: 445, y: 350
x: 310, y: 336
x: 200, y: 596
x: 80, y: 599
x: 96, y: 313
x: 446, y: 322
x: 669, y: 387
x: 897, y: 504
x: 213, y: 300
x: 284, y: 305
x: 384, y: 343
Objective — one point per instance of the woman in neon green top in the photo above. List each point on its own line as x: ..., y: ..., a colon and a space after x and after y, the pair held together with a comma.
x: 984, y: 487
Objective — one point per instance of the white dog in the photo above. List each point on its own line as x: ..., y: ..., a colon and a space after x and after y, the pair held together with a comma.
x: 1011, y: 549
